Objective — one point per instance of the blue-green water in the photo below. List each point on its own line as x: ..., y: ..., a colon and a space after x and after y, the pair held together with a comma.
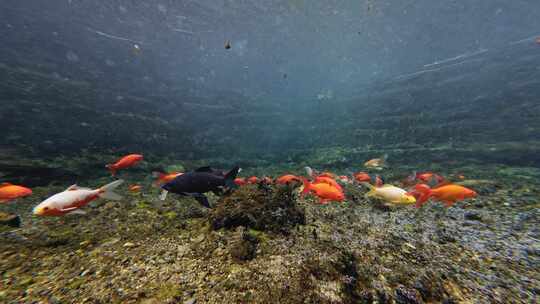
x: 439, y: 87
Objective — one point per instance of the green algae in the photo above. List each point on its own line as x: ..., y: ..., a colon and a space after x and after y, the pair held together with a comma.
x: 171, y: 215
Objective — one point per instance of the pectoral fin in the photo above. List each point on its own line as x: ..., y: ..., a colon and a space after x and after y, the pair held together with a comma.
x: 201, y: 198
x: 77, y: 211
x: 163, y: 195
x: 73, y: 210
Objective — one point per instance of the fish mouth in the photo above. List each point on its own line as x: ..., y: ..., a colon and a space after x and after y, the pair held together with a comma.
x: 37, y: 211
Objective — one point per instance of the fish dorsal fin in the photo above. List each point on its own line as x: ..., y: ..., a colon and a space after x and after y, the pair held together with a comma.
x: 204, y: 169
x: 5, y: 184
x: 441, y: 184
x: 73, y: 187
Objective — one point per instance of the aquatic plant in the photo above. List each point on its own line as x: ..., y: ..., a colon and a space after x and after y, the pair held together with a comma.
x: 262, y: 207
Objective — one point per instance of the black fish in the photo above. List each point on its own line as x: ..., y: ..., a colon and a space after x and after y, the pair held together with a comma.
x: 209, y: 169
x: 200, y: 181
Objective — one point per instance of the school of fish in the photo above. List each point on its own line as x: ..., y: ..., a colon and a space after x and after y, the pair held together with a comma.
x: 325, y: 186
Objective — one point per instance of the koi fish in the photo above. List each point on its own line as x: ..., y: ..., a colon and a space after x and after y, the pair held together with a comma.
x: 377, y: 163
x: 9, y: 192
x: 287, y: 179
x: 325, y: 192
x: 74, y: 198
x: 252, y: 180
x: 448, y: 194
x: 125, y: 162
x: 374, y: 179
x: 240, y: 181
x: 391, y: 194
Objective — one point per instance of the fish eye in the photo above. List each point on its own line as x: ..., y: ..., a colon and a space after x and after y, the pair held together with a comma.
x: 46, y: 208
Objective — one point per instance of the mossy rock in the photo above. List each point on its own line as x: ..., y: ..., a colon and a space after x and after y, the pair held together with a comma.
x: 263, y: 208
x: 10, y: 220
x: 244, y: 245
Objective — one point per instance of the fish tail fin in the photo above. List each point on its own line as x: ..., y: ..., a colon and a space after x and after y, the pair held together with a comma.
x: 230, y: 176
x: 107, y: 191
x: 307, y: 186
x: 423, y: 193
x: 378, y: 180
x: 111, y: 168
x: 163, y: 194
x: 370, y: 187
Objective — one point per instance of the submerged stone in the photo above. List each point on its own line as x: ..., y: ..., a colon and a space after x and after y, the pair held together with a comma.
x: 244, y: 245
x: 10, y: 220
x: 259, y: 207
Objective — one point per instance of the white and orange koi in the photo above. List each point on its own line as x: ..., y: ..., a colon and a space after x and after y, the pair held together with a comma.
x: 75, y: 197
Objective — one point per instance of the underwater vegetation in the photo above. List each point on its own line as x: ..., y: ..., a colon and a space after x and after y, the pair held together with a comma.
x: 260, y: 207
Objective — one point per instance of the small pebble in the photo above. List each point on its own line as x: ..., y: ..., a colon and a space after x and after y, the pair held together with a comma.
x: 190, y: 301
x: 129, y: 245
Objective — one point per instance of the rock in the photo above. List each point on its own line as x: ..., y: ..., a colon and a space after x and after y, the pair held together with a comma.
x: 191, y: 301
x: 407, y: 296
x: 84, y: 244
x: 198, y: 239
x: 183, y: 250
x: 244, y: 245
x: 111, y: 242
x: 109, y: 205
x: 472, y: 216
x: 444, y: 236
x: 408, y: 248
x: 11, y: 220
x: 262, y: 208
x: 129, y: 245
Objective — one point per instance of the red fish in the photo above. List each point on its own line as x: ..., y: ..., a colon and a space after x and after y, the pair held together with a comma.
x: 9, y: 192
x: 448, y: 194
x: 429, y: 177
x: 252, y: 180
x: 363, y: 177
x: 287, y: 179
x: 163, y: 178
x: 125, y: 162
x: 327, y: 180
x: 323, y: 191
x: 327, y: 174
x: 240, y: 181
